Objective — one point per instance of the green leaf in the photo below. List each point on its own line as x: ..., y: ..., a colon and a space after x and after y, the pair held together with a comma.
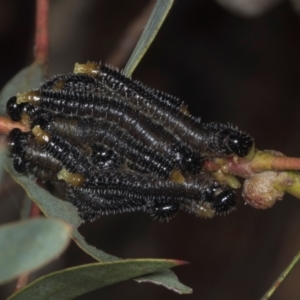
x: 28, y: 245
x: 2, y: 158
x: 27, y: 79
x: 51, y: 206
x: 168, y: 279
x: 73, y: 282
x: 55, y: 208
x: 156, y: 19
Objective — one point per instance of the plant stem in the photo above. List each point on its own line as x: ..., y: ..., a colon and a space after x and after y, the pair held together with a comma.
x: 24, y: 278
x: 6, y: 125
x: 22, y: 281
x: 41, y: 44
x: 41, y: 50
x: 130, y: 37
x: 282, y: 276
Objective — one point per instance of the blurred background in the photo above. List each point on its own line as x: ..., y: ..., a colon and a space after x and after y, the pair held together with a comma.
x: 230, y: 61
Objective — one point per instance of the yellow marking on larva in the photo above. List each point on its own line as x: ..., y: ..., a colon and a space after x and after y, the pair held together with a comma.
x: 184, y: 110
x: 235, y: 159
x: 41, y: 136
x: 59, y: 85
x: 205, y: 211
x: 90, y: 68
x: 226, y: 179
x: 71, y: 178
x: 29, y: 97
x: 176, y: 176
x: 25, y: 119
x: 251, y: 154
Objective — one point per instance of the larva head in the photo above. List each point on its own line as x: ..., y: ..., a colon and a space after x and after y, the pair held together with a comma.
x: 164, y: 210
x: 23, y: 112
x: 236, y: 142
x: 221, y: 199
x: 103, y: 157
x: 28, y: 114
x: 225, y: 201
x: 41, y: 119
x: 17, y: 141
x: 191, y: 162
x: 13, y: 109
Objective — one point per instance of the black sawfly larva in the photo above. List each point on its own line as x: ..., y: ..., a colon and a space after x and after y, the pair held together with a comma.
x: 167, y: 109
x: 147, y: 144
x: 29, y: 158
x: 125, y: 192
x: 119, y: 146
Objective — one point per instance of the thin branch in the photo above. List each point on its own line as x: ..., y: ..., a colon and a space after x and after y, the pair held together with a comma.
x: 24, y: 278
x: 261, y: 161
x: 41, y: 50
x: 156, y: 19
x: 130, y: 38
x: 22, y: 281
x: 41, y: 45
x: 286, y: 163
x: 6, y: 125
x: 282, y: 276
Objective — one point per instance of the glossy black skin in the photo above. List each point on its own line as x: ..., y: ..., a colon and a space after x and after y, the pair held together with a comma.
x: 13, y: 109
x: 162, y: 109
x: 125, y: 139
x: 161, y: 199
x: 109, y: 191
x: 29, y: 158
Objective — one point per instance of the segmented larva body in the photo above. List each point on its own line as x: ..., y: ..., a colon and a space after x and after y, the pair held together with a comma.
x: 113, y: 190
x: 113, y: 137
x: 107, y: 108
x: 90, y: 131
x: 160, y: 198
x: 172, y: 113
x: 29, y: 158
x: 162, y: 113
x: 111, y: 81
x: 134, y: 90
x: 152, y: 148
x: 119, y: 146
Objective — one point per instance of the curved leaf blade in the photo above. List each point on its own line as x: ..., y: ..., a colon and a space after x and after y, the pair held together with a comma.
x: 56, y: 208
x: 51, y: 206
x: 156, y: 19
x: 28, y: 78
x: 167, y: 279
x: 73, y: 282
x: 2, y: 158
x: 28, y: 245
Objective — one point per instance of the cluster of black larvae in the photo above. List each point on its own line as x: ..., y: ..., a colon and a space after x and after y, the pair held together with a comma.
x: 119, y: 146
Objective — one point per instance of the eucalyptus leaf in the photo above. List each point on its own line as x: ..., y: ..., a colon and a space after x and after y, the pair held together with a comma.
x: 156, y: 19
x: 168, y: 279
x: 76, y: 281
x: 30, y: 78
x: 26, y: 207
x: 28, y: 245
x: 56, y: 208
x: 2, y: 158
x: 27, y: 79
